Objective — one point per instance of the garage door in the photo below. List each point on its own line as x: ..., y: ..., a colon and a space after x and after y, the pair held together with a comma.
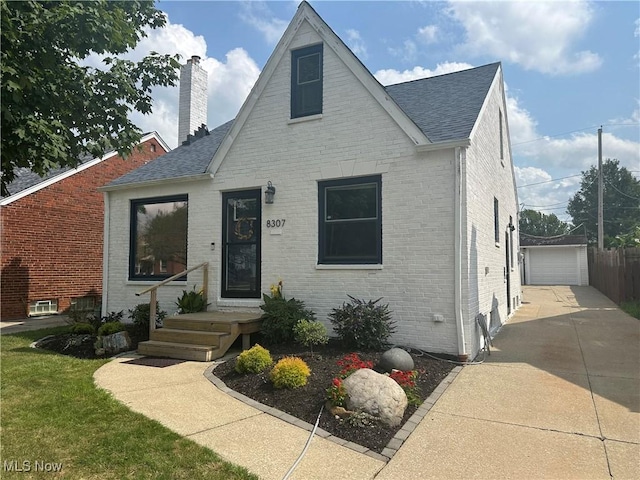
x: 553, y: 266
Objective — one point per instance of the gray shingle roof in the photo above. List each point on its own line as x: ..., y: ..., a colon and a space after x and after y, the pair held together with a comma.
x: 25, y: 178
x: 532, y: 241
x: 445, y: 107
x: 184, y: 161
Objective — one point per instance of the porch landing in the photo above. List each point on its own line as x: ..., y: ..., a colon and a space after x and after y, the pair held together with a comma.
x: 202, y: 336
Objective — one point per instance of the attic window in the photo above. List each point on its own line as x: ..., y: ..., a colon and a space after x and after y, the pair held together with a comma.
x: 306, y: 81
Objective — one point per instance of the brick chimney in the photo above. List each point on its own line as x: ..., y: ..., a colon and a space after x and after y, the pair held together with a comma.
x: 192, y: 111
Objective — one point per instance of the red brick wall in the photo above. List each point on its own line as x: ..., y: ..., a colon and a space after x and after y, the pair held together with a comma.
x: 52, y: 239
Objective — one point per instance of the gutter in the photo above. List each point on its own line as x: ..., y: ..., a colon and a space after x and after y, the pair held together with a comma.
x: 105, y: 253
x: 460, y: 155
x: 154, y: 183
x: 429, y: 147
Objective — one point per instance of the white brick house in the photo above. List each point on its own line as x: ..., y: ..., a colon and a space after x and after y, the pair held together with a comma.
x: 404, y: 192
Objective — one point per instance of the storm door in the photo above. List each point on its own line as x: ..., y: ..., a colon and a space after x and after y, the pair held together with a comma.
x: 241, y: 244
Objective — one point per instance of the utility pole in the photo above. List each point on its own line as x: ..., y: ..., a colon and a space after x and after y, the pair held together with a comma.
x: 600, y: 194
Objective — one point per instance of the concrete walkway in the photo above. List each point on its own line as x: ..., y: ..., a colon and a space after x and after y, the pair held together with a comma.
x: 33, y: 323
x: 558, y: 398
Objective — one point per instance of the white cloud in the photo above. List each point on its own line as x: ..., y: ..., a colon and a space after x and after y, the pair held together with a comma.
x: 258, y: 15
x: 356, y: 44
x: 536, y: 35
x: 391, y: 76
x: 428, y: 34
x: 408, y: 52
x: 229, y: 81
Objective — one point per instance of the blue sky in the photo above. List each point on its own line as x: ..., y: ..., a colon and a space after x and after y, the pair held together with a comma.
x: 569, y: 66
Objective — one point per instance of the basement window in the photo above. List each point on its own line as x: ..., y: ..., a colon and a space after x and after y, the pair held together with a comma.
x: 43, y: 307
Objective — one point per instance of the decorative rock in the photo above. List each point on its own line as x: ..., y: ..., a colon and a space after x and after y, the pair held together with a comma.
x: 396, y: 359
x: 377, y: 395
x: 116, y: 343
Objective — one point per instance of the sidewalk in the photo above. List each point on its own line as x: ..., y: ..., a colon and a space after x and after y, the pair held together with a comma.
x: 33, y: 323
x: 559, y: 397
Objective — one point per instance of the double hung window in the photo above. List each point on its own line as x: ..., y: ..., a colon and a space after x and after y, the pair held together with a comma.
x: 350, y: 221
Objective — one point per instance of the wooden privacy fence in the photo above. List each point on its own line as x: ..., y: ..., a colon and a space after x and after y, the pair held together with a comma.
x: 616, y: 273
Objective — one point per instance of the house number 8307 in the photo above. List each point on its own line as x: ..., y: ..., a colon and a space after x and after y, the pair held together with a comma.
x: 275, y: 223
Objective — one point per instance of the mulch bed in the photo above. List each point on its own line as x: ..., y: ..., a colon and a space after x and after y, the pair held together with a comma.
x: 305, y: 402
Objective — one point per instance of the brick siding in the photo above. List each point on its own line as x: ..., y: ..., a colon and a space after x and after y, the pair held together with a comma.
x: 52, y: 239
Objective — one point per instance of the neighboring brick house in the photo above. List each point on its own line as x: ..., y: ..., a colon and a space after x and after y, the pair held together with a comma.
x: 52, y: 233
x: 405, y: 192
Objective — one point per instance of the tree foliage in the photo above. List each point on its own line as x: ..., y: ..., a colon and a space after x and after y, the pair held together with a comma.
x: 539, y: 224
x: 55, y: 108
x: 621, y: 203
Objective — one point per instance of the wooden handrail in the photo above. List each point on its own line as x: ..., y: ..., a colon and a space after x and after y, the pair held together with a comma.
x: 154, y: 290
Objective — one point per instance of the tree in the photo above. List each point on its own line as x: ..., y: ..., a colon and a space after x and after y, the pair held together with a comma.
x: 55, y: 109
x: 539, y: 224
x: 621, y: 203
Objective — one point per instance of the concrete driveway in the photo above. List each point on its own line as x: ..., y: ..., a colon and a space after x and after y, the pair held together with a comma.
x: 558, y: 398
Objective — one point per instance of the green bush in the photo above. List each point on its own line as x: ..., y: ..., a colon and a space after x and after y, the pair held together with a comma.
x: 363, y: 325
x: 110, y: 328
x: 140, y: 316
x: 82, y: 328
x: 254, y: 360
x: 191, y: 301
x: 280, y: 316
x: 310, y: 333
x: 290, y: 372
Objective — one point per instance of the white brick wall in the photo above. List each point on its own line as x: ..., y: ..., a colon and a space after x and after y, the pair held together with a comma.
x: 487, y: 176
x: 354, y: 137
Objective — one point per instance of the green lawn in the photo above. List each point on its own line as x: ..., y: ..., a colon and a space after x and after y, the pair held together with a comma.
x: 51, y: 412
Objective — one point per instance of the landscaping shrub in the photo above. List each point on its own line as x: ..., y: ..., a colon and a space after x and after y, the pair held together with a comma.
x: 363, y: 325
x: 191, y: 301
x: 280, y: 316
x: 140, y: 316
x: 310, y: 333
x: 254, y: 360
x: 290, y: 372
x: 110, y: 328
x: 82, y: 328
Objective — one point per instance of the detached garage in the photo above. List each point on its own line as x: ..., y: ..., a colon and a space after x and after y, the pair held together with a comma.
x: 560, y: 260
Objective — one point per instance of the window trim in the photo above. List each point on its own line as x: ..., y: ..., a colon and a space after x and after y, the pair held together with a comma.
x: 296, y: 55
x: 496, y: 221
x: 347, y: 182
x: 132, y: 274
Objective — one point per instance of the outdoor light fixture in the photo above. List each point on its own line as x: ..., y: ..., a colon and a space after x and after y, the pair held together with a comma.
x: 269, y: 193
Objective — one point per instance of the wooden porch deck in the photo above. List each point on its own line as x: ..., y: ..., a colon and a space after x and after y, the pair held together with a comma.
x: 202, y: 336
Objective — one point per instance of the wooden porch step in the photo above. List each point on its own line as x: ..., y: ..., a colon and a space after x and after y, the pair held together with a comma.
x: 194, y: 337
x: 217, y: 321
x: 182, y: 351
x: 202, y: 336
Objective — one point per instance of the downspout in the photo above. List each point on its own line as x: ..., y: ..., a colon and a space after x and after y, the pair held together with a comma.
x: 105, y: 254
x: 457, y: 268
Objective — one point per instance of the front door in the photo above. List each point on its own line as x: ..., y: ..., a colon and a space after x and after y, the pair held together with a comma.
x: 241, y: 223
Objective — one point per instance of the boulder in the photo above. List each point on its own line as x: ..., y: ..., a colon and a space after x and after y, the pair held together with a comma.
x: 377, y: 395
x: 116, y: 343
x: 395, y: 359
